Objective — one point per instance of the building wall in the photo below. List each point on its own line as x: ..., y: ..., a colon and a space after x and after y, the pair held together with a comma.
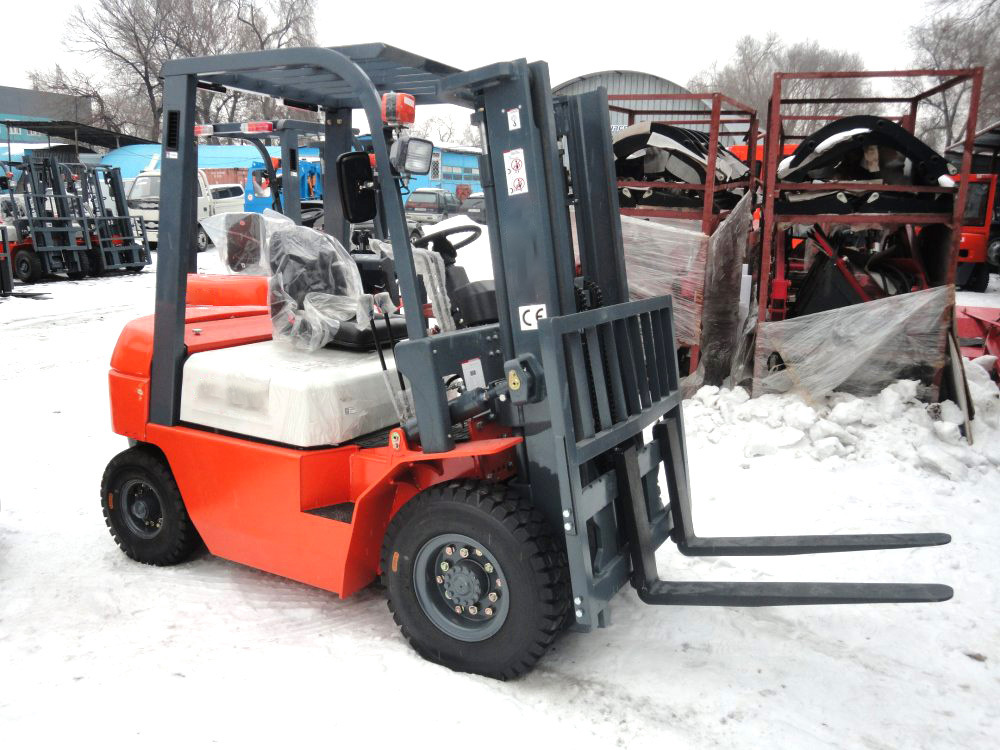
x: 28, y: 104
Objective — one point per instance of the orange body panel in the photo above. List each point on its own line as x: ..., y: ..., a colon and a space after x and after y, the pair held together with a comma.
x: 249, y: 500
x: 224, y: 290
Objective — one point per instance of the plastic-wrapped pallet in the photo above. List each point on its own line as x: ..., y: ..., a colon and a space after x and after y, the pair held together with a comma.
x: 858, y: 349
x: 664, y: 257
x: 720, y: 315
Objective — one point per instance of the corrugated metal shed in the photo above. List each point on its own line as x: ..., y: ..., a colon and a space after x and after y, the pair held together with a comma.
x: 634, y: 82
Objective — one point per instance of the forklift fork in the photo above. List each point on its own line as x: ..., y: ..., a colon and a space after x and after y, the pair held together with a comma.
x: 652, y: 590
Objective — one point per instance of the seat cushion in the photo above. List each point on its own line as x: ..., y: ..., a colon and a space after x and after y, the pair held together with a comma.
x: 272, y: 391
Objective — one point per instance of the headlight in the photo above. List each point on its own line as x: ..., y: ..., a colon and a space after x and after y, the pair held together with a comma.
x: 411, y: 155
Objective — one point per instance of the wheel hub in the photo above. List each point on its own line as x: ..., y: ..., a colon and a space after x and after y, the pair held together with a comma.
x: 459, y: 585
x: 464, y: 583
x: 141, y: 508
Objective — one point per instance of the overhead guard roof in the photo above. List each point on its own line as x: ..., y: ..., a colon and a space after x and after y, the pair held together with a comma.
x: 312, y: 75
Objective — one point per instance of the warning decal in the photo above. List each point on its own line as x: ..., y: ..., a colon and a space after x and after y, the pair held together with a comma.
x: 517, y: 175
x: 514, y: 118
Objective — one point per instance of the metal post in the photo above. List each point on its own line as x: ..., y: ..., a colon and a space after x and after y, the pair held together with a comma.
x: 337, y: 141
x: 291, y: 192
x: 176, y: 249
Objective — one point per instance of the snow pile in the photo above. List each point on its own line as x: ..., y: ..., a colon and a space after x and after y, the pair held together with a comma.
x: 892, y: 427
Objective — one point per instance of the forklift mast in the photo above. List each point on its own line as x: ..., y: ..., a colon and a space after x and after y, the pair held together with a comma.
x: 571, y: 365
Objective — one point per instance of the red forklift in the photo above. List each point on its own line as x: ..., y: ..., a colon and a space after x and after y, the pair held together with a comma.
x: 501, y: 474
x: 979, y: 251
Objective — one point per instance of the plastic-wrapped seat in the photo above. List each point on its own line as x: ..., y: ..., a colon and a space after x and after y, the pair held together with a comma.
x: 316, y: 295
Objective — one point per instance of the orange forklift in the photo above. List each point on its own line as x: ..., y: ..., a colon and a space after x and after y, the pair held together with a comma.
x: 507, y: 464
x: 979, y: 251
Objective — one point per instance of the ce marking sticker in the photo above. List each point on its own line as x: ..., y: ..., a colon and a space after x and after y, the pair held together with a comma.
x: 529, y: 316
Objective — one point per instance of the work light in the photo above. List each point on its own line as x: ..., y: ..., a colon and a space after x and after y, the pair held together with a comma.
x: 411, y: 155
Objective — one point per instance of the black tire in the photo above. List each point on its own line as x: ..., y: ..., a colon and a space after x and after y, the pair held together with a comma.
x: 979, y: 279
x: 27, y: 266
x: 84, y: 261
x: 164, y: 534
x: 535, y: 585
x: 96, y: 260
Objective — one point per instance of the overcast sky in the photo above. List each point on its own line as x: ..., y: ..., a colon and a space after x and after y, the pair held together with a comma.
x: 668, y: 38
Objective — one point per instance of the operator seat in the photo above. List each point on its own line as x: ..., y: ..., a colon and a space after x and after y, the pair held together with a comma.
x: 316, y: 295
x: 474, y: 302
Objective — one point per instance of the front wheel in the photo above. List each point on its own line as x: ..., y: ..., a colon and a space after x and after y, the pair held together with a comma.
x: 144, y: 510
x: 475, y: 581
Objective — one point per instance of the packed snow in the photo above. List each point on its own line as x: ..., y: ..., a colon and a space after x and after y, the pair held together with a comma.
x: 96, y: 648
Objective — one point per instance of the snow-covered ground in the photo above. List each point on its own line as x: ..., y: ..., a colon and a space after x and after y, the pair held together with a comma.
x: 96, y: 648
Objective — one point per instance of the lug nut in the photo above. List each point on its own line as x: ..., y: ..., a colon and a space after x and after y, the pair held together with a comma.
x: 488, y: 567
x: 492, y: 596
x: 578, y: 601
x: 579, y: 614
x: 449, y: 550
x: 447, y: 595
x: 479, y: 553
x: 473, y: 609
x: 499, y: 584
x: 439, y: 579
x: 463, y: 552
x: 488, y: 611
x: 445, y: 566
x: 458, y: 609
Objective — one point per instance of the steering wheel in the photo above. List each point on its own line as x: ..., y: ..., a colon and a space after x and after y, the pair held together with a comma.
x: 443, y: 234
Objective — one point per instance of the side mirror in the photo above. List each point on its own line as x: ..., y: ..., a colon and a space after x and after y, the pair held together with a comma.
x: 357, y: 186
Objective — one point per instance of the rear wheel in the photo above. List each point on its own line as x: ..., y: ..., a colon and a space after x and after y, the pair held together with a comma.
x: 979, y: 279
x: 475, y: 581
x: 27, y: 266
x: 144, y: 510
x: 96, y: 259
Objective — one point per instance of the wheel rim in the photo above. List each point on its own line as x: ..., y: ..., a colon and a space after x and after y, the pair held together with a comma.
x: 141, y: 508
x: 461, y: 587
x: 202, y: 239
x: 23, y: 267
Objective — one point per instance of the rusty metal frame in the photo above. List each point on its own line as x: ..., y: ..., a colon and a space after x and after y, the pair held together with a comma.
x: 768, y: 280
x: 720, y: 122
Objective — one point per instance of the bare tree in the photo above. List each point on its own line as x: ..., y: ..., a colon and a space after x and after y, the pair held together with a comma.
x: 131, y: 39
x: 749, y: 75
x: 968, y: 37
x: 439, y: 128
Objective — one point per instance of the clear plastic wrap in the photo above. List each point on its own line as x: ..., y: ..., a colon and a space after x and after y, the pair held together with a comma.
x: 315, y: 285
x: 857, y: 349
x: 430, y: 267
x: 668, y: 258
x: 241, y: 238
x: 275, y: 392
x: 720, y: 313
